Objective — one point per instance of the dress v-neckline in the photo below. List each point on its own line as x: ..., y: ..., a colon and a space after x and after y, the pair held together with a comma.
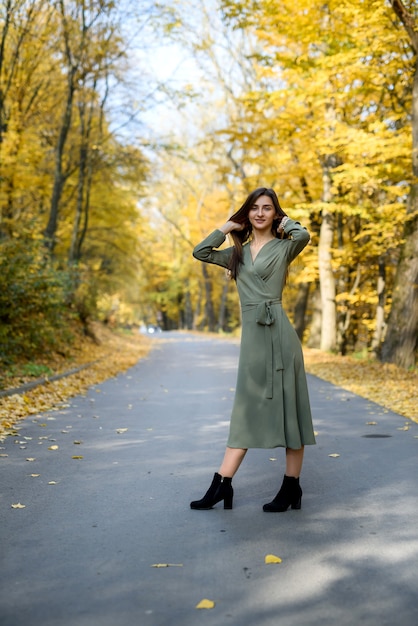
x: 253, y: 259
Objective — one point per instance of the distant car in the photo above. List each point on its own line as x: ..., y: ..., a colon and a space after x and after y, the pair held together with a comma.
x: 152, y: 329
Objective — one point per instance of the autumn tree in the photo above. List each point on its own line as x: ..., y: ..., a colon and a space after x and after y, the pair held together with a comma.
x: 58, y: 142
x: 335, y: 102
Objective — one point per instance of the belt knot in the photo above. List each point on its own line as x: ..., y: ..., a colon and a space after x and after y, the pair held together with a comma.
x: 264, y: 313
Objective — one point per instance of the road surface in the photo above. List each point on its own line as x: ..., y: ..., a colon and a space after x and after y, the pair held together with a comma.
x: 81, y: 551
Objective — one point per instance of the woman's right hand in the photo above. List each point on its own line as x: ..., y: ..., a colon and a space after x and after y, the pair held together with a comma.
x: 230, y: 226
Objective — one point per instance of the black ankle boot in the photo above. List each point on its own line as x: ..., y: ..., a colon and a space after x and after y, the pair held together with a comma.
x: 290, y: 494
x: 220, y: 489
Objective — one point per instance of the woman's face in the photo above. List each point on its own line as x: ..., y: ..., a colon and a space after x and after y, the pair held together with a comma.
x: 262, y: 214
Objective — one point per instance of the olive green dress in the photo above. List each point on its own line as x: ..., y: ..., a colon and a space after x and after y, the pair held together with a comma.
x: 271, y: 406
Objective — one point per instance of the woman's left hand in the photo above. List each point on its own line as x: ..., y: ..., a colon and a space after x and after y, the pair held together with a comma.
x: 280, y: 228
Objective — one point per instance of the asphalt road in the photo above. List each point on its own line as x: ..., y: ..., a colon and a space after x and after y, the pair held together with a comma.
x: 81, y: 551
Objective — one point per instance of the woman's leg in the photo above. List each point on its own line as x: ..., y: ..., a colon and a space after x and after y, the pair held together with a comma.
x: 232, y: 460
x: 294, y: 461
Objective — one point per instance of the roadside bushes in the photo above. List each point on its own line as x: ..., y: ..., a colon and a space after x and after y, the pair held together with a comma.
x: 33, y: 292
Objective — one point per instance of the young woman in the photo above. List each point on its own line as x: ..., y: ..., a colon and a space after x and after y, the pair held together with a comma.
x: 271, y: 406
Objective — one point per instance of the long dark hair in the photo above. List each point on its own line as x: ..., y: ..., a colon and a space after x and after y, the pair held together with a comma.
x: 241, y: 217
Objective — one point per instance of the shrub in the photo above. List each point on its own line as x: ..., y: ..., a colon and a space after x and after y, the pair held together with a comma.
x: 33, y: 315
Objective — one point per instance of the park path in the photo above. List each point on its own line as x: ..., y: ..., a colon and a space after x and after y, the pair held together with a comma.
x: 81, y: 551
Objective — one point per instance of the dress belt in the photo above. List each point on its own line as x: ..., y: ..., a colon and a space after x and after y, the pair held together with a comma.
x: 273, y: 340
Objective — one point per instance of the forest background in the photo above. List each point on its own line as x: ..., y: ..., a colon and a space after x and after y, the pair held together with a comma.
x: 130, y: 130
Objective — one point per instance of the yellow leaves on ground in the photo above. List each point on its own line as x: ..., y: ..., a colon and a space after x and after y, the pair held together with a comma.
x: 334, y: 455
x: 272, y: 558
x: 111, y: 354
x: 77, y: 457
x: 205, y: 604
x: 383, y: 383
x: 53, y: 448
x: 121, y: 430
x: 18, y: 506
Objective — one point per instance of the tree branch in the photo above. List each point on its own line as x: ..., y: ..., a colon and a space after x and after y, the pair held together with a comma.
x: 408, y: 21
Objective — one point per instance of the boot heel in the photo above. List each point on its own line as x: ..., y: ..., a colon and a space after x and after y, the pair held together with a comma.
x: 297, y: 505
x: 228, y: 502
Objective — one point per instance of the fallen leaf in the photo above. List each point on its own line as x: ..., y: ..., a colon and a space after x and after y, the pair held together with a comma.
x: 272, y: 458
x: 77, y: 457
x: 34, y: 475
x: 371, y: 423
x: 121, y: 430
x: 272, y: 558
x: 205, y: 604
x: 18, y: 506
x: 167, y: 565
x: 77, y: 443
x: 31, y: 459
x: 404, y: 428
x: 53, y: 447
x: 52, y: 482
x: 334, y: 455
x: 3, y: 455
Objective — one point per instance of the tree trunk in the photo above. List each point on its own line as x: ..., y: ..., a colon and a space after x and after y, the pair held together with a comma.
x: 314, y: 340
x: 326, y: 274
x: 222, y: 306
x: 299, y: 312
x: 188, y: 311
x: 400, y: 343
x: 343, y: 326
x: 210, y: 313
x: 380, y: 310
x: 197, y: 311
x: 73, y: 255
x: 59, y: 177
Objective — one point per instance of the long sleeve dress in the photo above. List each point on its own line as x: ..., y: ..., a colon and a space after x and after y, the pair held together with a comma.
x: 271, y: 406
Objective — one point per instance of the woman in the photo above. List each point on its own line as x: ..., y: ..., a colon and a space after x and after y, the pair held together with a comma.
x: 271, y: 406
